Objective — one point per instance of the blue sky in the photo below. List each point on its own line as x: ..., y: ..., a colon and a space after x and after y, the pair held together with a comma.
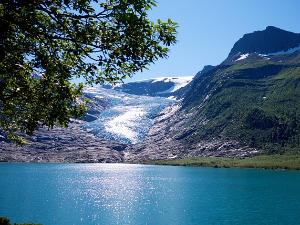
x: 209, y: 28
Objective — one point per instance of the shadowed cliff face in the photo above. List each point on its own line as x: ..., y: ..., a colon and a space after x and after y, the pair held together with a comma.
x: 146, y: 88
x: 163, y: 86
x: 270, y: 40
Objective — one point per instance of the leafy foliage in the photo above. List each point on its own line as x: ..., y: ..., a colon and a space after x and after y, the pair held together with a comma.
x: 5, y: 221
x: 44, y: 44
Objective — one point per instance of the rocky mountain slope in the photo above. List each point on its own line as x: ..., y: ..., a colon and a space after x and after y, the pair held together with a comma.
x: 249, y: 104
x: 63, y: 145
x: 72, y: 144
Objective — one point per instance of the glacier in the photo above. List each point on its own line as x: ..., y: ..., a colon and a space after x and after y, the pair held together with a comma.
x: 128, y: 117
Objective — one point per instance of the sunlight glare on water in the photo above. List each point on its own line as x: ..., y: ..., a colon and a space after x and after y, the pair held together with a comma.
x: 113, y: 190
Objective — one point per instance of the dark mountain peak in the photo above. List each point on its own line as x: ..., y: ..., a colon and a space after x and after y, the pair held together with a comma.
x: 272, y: 28
x: 270, y: 40
x: 205, y: 69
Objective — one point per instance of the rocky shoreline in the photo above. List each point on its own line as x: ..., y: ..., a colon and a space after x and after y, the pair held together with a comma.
x: 63, y: 145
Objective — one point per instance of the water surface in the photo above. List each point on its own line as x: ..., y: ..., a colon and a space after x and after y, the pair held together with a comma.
x: 141, y: 194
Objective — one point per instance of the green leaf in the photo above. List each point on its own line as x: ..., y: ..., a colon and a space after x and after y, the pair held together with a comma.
x: 67, y: 39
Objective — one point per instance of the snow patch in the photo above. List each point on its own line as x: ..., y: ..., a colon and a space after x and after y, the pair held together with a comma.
x: 291, y: 50
x: 242, y: 56
x: 265, y: 57
x: 179, y: 82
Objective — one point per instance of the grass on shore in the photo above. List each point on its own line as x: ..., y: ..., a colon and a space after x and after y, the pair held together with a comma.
x: 285, y: 162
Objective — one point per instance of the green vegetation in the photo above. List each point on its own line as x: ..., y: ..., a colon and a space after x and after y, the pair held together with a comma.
x: 45, y: 44
x: 254, y: 101
x: 5, y: 221
x: 286, y: 162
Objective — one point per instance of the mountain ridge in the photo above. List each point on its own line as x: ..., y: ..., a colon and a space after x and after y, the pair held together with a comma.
x: 268, y: 41
x: 161, y: 86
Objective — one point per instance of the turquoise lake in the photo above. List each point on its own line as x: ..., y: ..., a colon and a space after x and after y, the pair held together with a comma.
x: 66, y: 194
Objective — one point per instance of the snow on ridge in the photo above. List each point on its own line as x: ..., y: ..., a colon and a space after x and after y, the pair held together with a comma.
x: 242, y: 56
x: 166, y: 79
x: 289, y: 51
x: 179, y: 82
x: 92, y: 90
x: 265, y: 57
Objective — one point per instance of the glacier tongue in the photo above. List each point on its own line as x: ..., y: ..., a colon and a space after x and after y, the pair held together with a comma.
x: 129, y: 117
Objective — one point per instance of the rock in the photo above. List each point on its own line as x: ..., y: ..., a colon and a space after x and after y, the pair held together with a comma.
x: 63, y: 146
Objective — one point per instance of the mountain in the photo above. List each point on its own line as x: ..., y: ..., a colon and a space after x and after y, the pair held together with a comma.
x: 270, y: 41
x: 163, y: 86
x: 247, y: 105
